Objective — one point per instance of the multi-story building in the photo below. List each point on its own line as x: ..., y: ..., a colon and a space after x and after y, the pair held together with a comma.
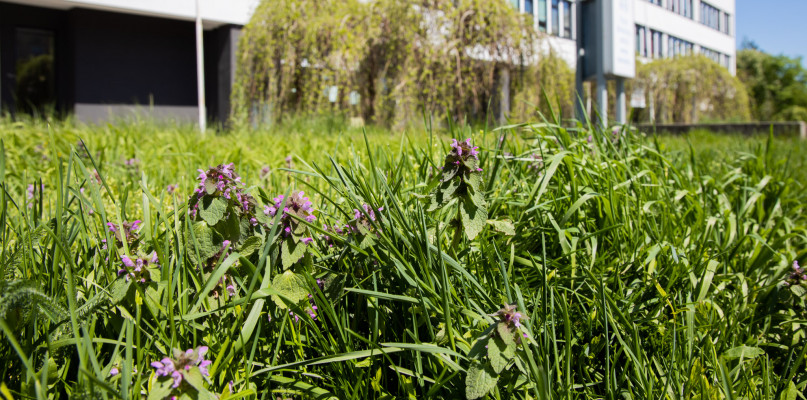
x: 664, y: 28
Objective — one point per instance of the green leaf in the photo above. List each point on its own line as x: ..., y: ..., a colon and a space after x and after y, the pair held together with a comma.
x: 474, y: 180
x: 207, y: 240
x: 505, y: 332
x: 212, y: 209
x: 194, y: 378
x: 443, y: 194
x: 798, y: 290
x: 473, y: 218
x: 496, y: 349
x: 291, y: 252
x: 292, y: 286
x: 251, y: 245
x: 504, y: 226
x: 118, y: 289
x: 480, y: 380
x: 160, y: 388
x: 790, y: 393
x: 744, y: 352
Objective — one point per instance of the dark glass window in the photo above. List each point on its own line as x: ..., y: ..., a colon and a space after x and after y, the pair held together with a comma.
x: 555, y: 18
x: 35, y: 83
x: 567, y: 19
x: 542, y: 15
x: 528, y: 6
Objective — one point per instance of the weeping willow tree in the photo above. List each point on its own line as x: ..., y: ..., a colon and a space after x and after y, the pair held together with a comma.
x: 387, y: 61
x: 690, y: 89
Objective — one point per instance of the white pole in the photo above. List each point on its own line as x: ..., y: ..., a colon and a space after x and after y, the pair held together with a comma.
x: 200, y: 71
x: 621, y: 106
x: 602, y: 99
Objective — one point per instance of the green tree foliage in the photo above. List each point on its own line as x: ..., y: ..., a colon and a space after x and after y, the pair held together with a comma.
x: 690, y: 89
x: 391, y: 60
x: 776, y: 85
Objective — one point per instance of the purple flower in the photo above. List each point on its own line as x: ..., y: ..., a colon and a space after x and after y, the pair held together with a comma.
x: 307, y: 240
x: 137, y: 269
x: 265, y: 172
x: 171, y: 188
x: 509, y: 316
x: 464, y: 149
x: 126, y: 231
x: 114, y: 371
x: 297, y: 205
x: 175, y: 366
x: 797, y: 276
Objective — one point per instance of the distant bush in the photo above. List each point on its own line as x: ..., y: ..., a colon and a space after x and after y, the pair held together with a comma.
x: 390, y: 61
x: 777, y: 85
x: 690, y: 89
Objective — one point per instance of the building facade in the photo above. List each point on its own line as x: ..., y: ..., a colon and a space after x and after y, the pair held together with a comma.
x: 100, y: 59
x: 664, y: 28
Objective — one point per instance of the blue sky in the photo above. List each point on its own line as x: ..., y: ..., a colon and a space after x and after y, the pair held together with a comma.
x: 777, y: 26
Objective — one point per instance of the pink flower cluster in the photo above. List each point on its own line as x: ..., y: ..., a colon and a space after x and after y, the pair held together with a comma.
x: 181, y: 362
x: 137, y: 269
x: 508, y: 315
x: 797, y: 276
x: 462, y: 151
x: 298, y: 205
x: 126, y: 231
x: 223, y: 181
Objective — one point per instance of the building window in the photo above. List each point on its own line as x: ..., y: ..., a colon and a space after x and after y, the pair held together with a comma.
x: 514, y: 3
x: 724, y: 26
x: 710, y: 16
x: 655, y: 44
x: 567, y: 19
x: 555, y: 18
x: 711, y: 54
x: 656, y: 2
x: 542, y: 15
x: 678, y: 47
x: 681, y: 7
x: 528, y: 6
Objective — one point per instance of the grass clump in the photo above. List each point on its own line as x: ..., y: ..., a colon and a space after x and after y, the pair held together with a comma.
x: 533, y: 261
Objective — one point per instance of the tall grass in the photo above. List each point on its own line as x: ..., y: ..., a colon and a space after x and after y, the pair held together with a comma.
x: 647, y: 268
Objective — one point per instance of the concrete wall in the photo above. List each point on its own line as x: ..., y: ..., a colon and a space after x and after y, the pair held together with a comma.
x: 797, y: 128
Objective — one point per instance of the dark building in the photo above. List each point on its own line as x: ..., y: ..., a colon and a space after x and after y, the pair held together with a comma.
x: 101, y: 59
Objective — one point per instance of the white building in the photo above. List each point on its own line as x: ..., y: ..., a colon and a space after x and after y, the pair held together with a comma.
x: 664, y: 28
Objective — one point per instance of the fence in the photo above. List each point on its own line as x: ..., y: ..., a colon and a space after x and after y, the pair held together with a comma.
x: 790, y: 128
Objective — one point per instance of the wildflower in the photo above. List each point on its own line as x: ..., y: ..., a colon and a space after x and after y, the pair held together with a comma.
x: 464, y: 149
x: 171, y: 188
x: 509, y: 316
x: 137, y: 269
x: 132, y: 166
x: 297, y: 205
x: 265, y: 172
x: 114, y: 371
x: 31, y: 193
x: 182, y: 362
x: 222, y: 181
x: 797, y: 276
x: 126, y: 231
x: 288, y: 162
x: 366, y: 218
x: 538, y: 162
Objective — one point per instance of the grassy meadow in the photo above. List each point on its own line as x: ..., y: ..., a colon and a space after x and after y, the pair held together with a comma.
x: 531, y: 262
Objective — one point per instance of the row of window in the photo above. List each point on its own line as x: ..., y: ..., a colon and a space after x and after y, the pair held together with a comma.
x: 560, y: 14
x: 709, y: 15
x: 650, y: 44
x: 714, y: 18
x: 681, y: 7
